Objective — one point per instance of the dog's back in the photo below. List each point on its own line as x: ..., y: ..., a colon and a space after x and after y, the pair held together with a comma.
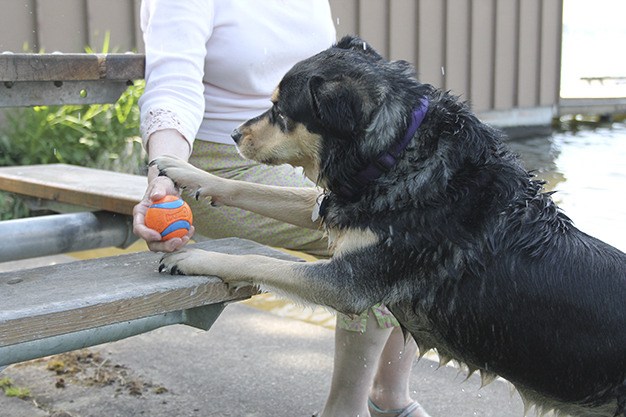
x: 525, y: 294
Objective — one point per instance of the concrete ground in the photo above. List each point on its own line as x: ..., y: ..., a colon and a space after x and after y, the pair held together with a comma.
x: 251, y: 363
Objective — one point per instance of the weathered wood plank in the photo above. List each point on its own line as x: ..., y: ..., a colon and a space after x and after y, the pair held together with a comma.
x: 60, y: 299
x: 85, y: 187
x: 71, y: 67
x: 48, y: 93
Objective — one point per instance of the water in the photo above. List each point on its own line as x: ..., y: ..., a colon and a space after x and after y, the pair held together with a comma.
x: 587, y: 169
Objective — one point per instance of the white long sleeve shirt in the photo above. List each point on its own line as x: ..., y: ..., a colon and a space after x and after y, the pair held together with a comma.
x: 212, y: 64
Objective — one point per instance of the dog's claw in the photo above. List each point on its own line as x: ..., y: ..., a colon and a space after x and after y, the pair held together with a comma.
x: 197, y: 195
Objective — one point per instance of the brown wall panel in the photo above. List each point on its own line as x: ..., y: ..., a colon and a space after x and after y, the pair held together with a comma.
x: 457, y: 50
x: 61, y: 25
x: 117, y: 18
x: 346, y: 16
x: 403, y: 30
x: 17, y: 20
x: 529, y: 57
x: 431, y: 42
x: 482, y: 54
x: 498, y: 54
x: 550, y: 57
x: 506, y: 47
x: 374, y: 24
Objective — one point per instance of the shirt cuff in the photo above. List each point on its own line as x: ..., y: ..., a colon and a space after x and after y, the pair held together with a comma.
x: 155, y: 119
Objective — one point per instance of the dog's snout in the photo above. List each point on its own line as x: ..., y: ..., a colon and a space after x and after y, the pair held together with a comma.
x: 236, y: 135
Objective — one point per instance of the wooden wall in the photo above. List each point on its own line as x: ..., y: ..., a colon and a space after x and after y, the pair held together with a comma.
x: 499, y: 54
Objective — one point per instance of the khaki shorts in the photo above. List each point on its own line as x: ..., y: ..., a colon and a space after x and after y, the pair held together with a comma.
x: 221, y: 222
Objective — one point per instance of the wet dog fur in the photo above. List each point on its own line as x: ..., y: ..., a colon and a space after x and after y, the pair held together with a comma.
x: 457, y: 239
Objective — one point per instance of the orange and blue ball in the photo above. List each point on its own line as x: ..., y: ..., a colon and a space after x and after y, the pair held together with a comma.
x: 170, y: 216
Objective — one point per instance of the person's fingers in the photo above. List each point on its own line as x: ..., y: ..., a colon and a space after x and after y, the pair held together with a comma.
x: 158, y: 188
x: 170, y: 245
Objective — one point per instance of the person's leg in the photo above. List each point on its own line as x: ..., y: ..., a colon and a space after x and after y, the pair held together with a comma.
x: 357, y: 353
x: 351, y: 384
x: 390, y: 390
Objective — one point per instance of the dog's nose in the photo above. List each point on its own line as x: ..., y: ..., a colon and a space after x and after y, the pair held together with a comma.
x: 236, y: 135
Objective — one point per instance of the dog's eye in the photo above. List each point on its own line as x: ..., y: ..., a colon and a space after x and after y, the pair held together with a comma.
x: 279, y: 118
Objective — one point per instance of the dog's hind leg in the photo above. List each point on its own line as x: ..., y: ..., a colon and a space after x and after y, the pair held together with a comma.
x: 331, y: 282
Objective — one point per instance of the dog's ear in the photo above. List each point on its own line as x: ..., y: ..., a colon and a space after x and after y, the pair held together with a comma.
x: 357, y: 44
x: 404, y: 68
x: 335, y: 104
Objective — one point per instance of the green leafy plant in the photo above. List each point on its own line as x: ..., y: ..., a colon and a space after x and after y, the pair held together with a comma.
x: 10, y: 390
x: 12, y: 207
x: 103, y: 136
x: 97, y: 135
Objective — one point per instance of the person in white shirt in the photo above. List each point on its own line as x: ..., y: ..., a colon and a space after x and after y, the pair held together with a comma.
x: 211, y: 65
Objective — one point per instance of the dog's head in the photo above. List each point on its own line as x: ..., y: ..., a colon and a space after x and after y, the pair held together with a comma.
x: 325, y: 105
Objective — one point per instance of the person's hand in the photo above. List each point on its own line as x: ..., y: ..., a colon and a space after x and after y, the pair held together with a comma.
x: 158, y: 187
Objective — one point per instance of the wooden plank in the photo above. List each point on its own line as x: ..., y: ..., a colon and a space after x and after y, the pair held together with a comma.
x: 529, y: 58
x: 345, y: 13
x: 48, y: 93
x: 431, y: 42
x: 139, y: 45
x: 61, y: 25
x: 114, y: 18
x: 374, y: 24
x: 60, y: 299
x: 550, y: 59
x: 86, y: 187
x: 482, y: 54
x: 71, y: 67
x: 124, y: 66
x: 403, y: 30
x: 457, y: 51
x: 18, y: 22
x: 506, y: 54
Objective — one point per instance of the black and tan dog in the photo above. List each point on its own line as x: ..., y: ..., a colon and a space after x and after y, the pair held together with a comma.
x: 430, y: 214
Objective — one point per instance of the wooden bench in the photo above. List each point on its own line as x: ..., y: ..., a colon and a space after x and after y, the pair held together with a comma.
x: 50, y: 79
x: 63, y: 307
x: 98, y: 206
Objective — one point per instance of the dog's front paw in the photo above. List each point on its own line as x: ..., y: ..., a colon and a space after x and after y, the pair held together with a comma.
x: 185, y: 262
x: 174, y: 168
x: 196, y: 182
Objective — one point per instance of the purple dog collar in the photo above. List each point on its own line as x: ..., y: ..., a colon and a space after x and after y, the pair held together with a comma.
x: 386, y: 160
